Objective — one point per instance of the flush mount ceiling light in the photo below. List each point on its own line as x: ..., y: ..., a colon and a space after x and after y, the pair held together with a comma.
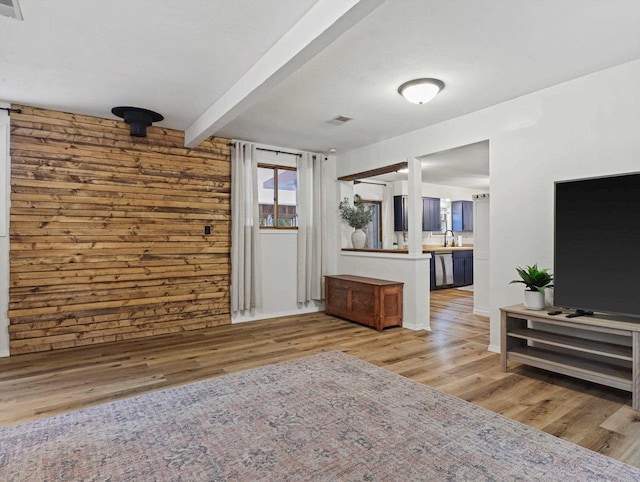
x: 139, y: 119
x: 420, y: 91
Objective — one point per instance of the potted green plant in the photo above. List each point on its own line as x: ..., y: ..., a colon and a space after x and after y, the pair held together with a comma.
x: 535, y: 281
x: 358, y: 217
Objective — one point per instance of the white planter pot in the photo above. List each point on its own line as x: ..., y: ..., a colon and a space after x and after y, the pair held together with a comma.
x: 534, y: 300
x: 358, y: 239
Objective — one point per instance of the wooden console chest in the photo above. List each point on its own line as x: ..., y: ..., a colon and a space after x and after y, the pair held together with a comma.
x: 373, y: 302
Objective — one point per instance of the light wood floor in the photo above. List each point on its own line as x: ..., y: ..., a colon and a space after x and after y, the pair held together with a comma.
x: 452, y: 358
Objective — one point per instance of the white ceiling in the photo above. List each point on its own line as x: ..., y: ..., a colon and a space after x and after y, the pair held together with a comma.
x: 486, y: 52
x: 180, y: 58
x: 174, y: 57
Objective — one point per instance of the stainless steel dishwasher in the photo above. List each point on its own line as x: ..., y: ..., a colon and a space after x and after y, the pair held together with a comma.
x: 444, y: 269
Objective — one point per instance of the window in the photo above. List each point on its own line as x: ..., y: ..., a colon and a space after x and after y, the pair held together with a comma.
x: 277, y: 188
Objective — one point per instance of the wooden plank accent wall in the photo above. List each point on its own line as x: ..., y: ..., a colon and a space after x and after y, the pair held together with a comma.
x: 107, y: 232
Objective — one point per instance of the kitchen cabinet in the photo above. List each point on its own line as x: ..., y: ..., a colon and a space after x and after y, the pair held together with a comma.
x: 462, y: 215
x: 432, y: 272
x: 462, y: 268
x: 430, y: 214
x: 400, y: 215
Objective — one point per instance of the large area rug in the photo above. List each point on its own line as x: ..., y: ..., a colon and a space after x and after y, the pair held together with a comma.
x: 325, y: 417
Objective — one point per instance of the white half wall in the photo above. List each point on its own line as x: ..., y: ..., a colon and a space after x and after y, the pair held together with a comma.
x: 585, y: 127
x: 412, y: 270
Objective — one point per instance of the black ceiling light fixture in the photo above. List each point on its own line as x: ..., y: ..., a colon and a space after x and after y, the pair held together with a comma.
x: 138, y: 118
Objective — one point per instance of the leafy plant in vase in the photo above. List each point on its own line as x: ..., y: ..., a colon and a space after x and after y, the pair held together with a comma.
x: 535, y: 280
x: 358, y: 217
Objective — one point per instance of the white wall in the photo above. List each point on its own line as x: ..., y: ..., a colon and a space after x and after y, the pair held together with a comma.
x: 278, y: 250
x: 585, y: 127
x: 369, y: 192
x: 5, y: 188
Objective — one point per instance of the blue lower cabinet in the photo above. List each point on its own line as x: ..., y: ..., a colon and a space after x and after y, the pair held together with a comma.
x: 432, y: 272
x: 462, y: 268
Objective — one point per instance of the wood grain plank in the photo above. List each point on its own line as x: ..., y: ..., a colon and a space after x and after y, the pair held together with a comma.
x: 107, y: 235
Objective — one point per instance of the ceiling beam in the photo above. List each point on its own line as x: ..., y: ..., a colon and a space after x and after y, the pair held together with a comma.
x: 374, y: 172
x: 317, y: 29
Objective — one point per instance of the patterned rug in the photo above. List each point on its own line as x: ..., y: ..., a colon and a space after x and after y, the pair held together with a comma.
x: 326, y: 417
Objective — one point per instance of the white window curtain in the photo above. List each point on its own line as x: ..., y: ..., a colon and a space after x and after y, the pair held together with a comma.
x: 311, y: 245
x: 246, y: 274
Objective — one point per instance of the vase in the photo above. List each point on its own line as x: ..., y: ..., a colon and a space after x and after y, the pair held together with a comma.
x: 358, y: 239
x: 534, y: 300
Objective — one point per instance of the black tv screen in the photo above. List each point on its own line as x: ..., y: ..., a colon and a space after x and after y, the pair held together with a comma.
x: 597, y: 244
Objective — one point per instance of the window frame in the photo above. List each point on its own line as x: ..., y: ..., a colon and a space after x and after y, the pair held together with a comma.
x: 275, y: 168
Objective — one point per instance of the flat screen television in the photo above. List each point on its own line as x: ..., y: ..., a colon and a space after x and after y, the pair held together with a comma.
x: 597, y: 244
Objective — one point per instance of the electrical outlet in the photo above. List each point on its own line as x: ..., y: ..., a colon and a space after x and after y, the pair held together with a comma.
x: 207, y: 230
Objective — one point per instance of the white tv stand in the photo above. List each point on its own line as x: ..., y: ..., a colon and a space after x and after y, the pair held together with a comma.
x: 614, y: 364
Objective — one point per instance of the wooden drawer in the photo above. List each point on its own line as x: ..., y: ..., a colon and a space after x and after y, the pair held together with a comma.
x: 370, y: 301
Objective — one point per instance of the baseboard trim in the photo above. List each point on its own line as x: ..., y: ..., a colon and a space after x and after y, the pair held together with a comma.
x: 416, y: 327
x: 482, y: 312
x: 494, y: 349
x: 266, y: 316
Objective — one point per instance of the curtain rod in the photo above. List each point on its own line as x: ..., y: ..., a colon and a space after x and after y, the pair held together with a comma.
x: 10, y: 110
x: 272, y: 150
x: 369, y: 182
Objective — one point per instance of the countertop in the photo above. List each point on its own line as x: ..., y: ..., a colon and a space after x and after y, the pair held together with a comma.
x: 434, y: 248
x: 426, y: 248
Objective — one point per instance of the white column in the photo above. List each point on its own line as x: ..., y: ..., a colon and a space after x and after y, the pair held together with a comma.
x: 414, y: 205
x: 5, y: 188
x: 481, y: 297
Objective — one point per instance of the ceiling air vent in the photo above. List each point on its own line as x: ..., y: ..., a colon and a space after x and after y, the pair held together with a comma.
x: 10, y: 8
x: 339, y: 120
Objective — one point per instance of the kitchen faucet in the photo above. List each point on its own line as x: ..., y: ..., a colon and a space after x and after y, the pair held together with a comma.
x: 445, y: 236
